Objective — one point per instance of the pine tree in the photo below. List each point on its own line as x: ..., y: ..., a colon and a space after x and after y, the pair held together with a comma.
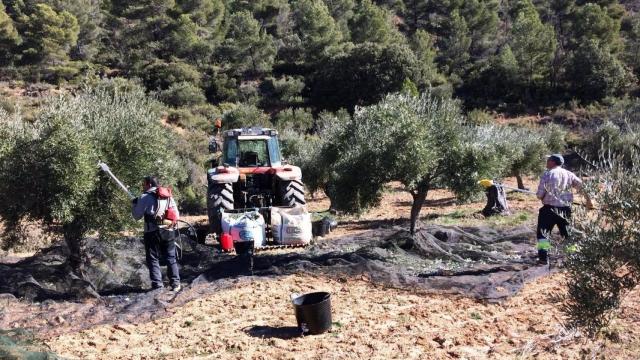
x: 455, y: 48
x: 209, y: 16
x: 90, y: 19
x: 139, y: 33
x: 315, y: 28
x: 423, y: 46
x: 482, y: 20
x: 595, y: 73
x: 632, y: 44
x: 533, y: 44
x: 593, y: 22
x: 363, y: 75
x: 9, y: 38
x: 184, y: 41
x: 342, y: 12
x: 373, y: 24
x: 49, y: 35
x: 247, y: 47
x: 423, y: 14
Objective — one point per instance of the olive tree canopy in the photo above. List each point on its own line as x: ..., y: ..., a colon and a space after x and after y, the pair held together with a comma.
x: 48, y: 166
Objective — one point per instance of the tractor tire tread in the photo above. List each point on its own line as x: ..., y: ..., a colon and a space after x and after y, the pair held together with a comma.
x: 292, y: 193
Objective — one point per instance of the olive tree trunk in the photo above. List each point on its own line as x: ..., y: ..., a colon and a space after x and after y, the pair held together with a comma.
x: 74, y: 235
x: 419, y: 197
x: 520, y: 181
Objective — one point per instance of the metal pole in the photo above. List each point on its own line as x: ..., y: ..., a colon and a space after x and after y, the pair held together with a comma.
x: 518, y: 190
x: 106, y: 169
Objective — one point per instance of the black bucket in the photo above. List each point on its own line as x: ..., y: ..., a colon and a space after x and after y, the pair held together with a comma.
x: 243, y: 247
x: 320, y: 228
x: 313, y: 312
x: 244, y: 254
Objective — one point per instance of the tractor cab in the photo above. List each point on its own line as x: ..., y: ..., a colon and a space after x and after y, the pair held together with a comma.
x: 251, y: 148
x: 248, y: 172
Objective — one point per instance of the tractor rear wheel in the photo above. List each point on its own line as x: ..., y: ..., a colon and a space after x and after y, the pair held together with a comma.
x: 219, y: 198
x: 292, y: 193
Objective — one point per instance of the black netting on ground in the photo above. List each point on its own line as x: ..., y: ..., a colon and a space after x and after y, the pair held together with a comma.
x: 479, y: 262
x: 22, y: 345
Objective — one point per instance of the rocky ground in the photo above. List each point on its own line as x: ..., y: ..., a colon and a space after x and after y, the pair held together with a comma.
x: 250, y: 317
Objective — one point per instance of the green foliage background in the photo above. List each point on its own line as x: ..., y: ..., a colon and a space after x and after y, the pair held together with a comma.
x: 338, y: 53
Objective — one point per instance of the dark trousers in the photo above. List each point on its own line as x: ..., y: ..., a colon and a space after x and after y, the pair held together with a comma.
x: 155, y: 248
x: 548, y: 218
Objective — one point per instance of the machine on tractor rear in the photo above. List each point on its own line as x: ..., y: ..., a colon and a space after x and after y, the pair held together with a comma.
x: 249, y: 173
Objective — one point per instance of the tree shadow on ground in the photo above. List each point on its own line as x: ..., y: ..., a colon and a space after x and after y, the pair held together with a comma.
x: 269, y: 332
x: 374, y: 224
x: 448, y: 201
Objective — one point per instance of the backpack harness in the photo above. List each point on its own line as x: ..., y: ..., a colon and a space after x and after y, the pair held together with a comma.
x: 163, y: 212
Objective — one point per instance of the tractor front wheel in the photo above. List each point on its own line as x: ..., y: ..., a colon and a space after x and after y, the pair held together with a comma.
x: 219, y: 198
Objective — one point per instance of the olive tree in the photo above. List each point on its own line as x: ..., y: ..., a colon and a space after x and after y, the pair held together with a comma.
x: 532, y: 145
x: 48, y: 166
x: 606, y: 265
x: 422, y: 142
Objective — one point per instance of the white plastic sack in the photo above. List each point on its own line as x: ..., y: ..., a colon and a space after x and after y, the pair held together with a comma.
x: 245, y: 227
x: 227, y: 220
x: 291, y: 226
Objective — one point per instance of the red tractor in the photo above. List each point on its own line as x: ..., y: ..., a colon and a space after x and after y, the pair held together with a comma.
x: 250, y: 173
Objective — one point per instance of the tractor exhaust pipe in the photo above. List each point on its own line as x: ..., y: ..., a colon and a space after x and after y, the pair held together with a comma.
x: 104, y: 167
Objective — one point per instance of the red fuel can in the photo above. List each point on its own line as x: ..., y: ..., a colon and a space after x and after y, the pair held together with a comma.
x: 226, y: 242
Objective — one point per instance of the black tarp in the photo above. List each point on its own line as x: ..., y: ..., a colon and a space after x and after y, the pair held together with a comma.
x: 477, y: 262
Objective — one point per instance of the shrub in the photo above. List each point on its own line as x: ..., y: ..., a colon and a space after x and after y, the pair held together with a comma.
x: 244, y: 115
x: 613, y: 140
x: 248, y: 93
x: 182, y: 94
x: 300, y: 120
x: 624, y: 111
x: 219, y: 87
x: 283, y: 91
x: 7, y: 105
x: 479, y: 117
x: 60, y: 74
x: 116, y: 86
x: 160, y: 75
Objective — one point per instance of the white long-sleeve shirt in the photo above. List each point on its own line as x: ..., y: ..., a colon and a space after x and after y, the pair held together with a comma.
x: 555, y: 187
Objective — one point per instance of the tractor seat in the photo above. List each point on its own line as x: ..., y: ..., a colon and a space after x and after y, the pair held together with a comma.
x: 250, y: 158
